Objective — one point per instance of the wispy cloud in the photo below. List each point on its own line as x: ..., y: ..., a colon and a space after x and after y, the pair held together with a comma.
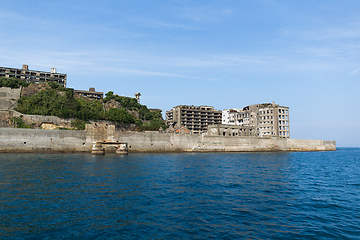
x: 155, y: 23
x: 327, y: 33
x: 6, y: 16
x: 203, y: 14
x: 355, y: 71
x: 216, y: 78
x: 192, y: 66
x: 138, y: 72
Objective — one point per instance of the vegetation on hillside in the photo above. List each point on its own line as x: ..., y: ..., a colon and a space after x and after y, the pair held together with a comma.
x: 126, y: 102
x: 19, y: 123
x: 132, y: 104
x: 56, y: 101
x: 59, y: 101
x: 12, y: 82
x: 144, y: 113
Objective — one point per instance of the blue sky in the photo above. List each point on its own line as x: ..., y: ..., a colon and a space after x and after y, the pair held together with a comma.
x: 226, y: 54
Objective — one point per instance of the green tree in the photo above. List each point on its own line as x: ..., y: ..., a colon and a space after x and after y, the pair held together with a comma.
x: 12, y: 82
x: 19, y: 123
x: 126, y: 102
x: 120, y: 116
x: 91, y: 109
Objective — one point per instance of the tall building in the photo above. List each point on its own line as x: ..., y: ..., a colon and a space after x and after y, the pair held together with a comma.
x: 34, y: 76
x: 194, y: 118
x: 268, y: 119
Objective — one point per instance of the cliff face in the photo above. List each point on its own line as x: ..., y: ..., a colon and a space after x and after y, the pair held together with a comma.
x: 34, y: 89
x: 112, y: 104
x: 115, y: 104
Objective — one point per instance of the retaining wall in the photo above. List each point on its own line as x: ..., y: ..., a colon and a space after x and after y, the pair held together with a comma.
x: 8, y: 97
x: 41, y: 140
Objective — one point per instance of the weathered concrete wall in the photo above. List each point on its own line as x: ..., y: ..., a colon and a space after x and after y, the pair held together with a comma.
x: 310, y: 145
x: 159, y: 142
x: 39, y: 140
x: 5, y: 119
x: 9, y: 97
x: 28, y: 119
x: 35, y: 121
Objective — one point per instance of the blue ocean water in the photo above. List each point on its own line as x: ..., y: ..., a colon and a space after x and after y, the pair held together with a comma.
x: 295, y: 195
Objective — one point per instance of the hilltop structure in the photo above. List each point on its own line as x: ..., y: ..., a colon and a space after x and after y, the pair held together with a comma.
x: 92, y: 94
x: 137, y: 97
x: 34, y: 76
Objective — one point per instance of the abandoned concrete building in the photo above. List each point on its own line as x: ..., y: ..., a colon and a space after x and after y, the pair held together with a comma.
x: 34, y: 76
x: 194, y: 118
x: 230, y: 130
x: 267, y: 119
x: 92, y: 94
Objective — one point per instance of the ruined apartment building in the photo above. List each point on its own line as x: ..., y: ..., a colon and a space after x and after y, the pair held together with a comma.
x: 92, y: 94
x: 194, y: 118
x: 34, y: 76
x: 230, y: 130
x: 267, y: 119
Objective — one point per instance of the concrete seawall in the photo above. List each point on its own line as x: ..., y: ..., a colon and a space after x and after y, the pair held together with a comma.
x: 40, y: 140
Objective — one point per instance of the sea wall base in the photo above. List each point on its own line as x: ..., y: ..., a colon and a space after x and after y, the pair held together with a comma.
x: 40, y: 140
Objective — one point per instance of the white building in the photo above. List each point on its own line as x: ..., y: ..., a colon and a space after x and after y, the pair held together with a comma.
x: 233, y: 117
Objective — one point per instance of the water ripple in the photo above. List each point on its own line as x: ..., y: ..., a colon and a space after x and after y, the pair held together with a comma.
x: 174, y: 196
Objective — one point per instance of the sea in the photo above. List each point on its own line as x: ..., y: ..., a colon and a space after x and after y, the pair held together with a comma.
x: 267, y: 195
